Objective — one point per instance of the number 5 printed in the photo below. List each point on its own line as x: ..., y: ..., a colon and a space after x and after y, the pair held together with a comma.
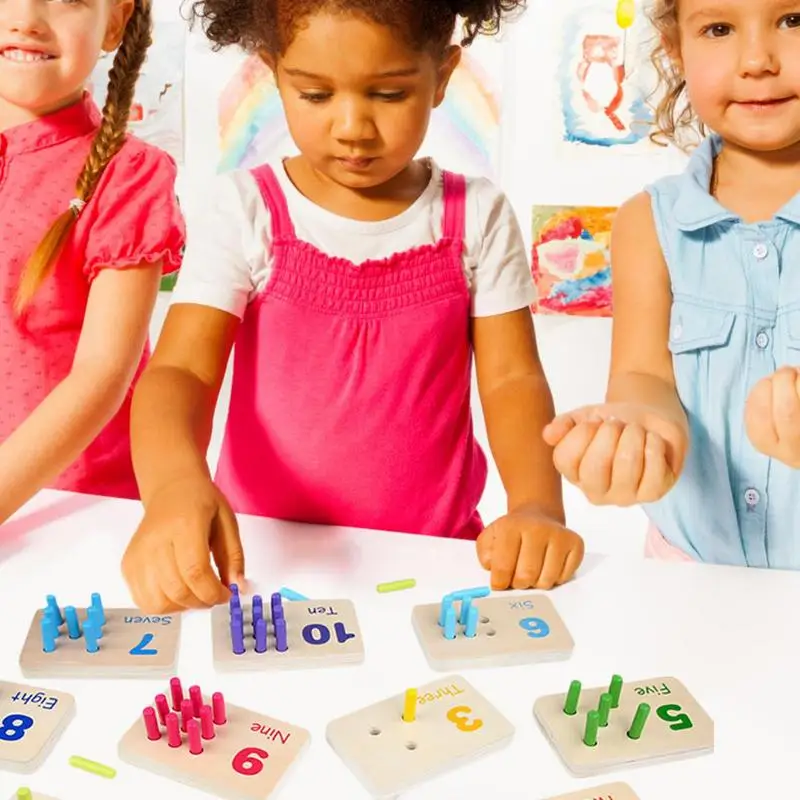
x: 459, y: 716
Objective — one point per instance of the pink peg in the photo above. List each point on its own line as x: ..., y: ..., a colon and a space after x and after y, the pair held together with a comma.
x: 151, y: 724
x: 196, y: 696
x: 173, y: 730
x: 219, y: 708
x: 207, y: 722
x: 195, y: 745
x: 177, y: 693
x: 162, y: 706
x: 187, y: 713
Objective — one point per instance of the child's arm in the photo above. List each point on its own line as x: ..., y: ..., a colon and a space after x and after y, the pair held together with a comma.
x: 167, y: 564
x: 630, y: 449
x: 112, y: 338
x: 530, y: 547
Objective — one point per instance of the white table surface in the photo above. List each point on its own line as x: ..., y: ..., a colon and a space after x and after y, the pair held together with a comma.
x: 729, y: 634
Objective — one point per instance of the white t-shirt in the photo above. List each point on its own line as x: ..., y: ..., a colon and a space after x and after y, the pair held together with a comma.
x: 228, y: 258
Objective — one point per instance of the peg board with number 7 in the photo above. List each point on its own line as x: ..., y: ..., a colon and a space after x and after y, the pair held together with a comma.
x: 511, y: 631
x: 609, y: 791
x: 453, y: 723
x: 246, y: 758
x: 31, y: 722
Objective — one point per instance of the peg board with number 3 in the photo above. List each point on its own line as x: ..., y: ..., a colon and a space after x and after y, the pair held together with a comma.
x: 132, y: 646
x: 31, y: 722
x: 677, y: 728
x: 453, y: 723
x: 511, y: 631
x: 609, y: 791
x: 248, y: 756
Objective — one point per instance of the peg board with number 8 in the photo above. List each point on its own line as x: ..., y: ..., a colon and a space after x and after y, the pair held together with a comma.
x: 246, y: 759
x: 511, y: 631
x: 132, y: 646
x: 453, y: 723
x: 31, y: 722
x: 609, y: 791
x: 677, y: 728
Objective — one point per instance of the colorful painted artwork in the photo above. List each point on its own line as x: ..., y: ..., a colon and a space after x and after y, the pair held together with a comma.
x: 157, y: 110
x: 606, y: 80
x: 463, y: 135
x: 571, y: 260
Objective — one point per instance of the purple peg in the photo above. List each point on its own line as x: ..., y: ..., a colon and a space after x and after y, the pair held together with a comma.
x: 261, y: 635
x: 281, y: 643
x: 237, y: 632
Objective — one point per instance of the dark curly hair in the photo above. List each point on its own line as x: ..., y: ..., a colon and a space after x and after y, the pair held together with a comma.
x: 270, y: 25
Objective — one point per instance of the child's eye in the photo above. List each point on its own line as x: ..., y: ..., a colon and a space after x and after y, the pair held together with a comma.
x: 792, y: 20
x: 717, y: 30
x: 390, y: 96
x: 314, y: 97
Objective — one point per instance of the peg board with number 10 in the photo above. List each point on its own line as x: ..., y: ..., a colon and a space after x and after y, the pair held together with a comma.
x: 511, y: 631
x: 452, y: 723
x: 31, y: 722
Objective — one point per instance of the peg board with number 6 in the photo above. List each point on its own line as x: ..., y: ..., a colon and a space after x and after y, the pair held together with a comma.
x: 320, y: 633
x: 246, y: 759
x: 511, y: 631
x: 132, y: 646
x: 609, y: 791
x: 677, y: 728
x: 453, y: 723
x: 31, y: 722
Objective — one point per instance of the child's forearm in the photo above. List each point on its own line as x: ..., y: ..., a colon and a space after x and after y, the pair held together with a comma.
x: 56, y: 433
x: 648, y: 390
x: 172, y: 420
x: 516, y: 413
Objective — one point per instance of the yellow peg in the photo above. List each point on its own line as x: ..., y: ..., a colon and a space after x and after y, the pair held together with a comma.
x: 410, y: 707
x: 626, y: 13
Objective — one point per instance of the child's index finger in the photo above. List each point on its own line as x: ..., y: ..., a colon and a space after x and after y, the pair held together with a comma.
x: 193, y: 558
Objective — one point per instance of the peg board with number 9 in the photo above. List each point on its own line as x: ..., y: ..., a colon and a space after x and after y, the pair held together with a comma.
x: 31, y: 722
x: 454, y: 723
x: 609, y: 791
x: 511, y: 631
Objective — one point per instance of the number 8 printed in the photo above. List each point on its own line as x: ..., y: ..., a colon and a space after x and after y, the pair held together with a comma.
x: 14, y: 726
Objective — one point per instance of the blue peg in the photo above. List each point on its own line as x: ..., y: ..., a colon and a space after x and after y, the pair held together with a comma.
x: 291, y: 594
x: 97, y: 603
x: 90, y: 637
x: 471, y: 628
x: 473, y: 594
x: 95, y: 618
x: 450, y: 622
x: 73, y: 626
x: 52, y: 605
x: 49, y: 633
x: 466, y: 605
x: 261, y: 635
x: 447, y: 601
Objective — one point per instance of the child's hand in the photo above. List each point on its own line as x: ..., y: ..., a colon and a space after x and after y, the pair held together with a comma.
x: 617, y: 453
x: 528, y: 550
x: 167, y: 563
x: 772, y: 416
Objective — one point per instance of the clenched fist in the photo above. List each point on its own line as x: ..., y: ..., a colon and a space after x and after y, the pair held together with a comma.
x: 772, y: 416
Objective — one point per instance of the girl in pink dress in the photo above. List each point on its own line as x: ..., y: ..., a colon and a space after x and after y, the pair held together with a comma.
x: 88, y: 222
x: 356, y: 283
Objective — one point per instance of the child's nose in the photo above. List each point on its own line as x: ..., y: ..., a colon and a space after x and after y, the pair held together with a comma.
x: 758, y: 56
x: 353, y: 122
x: 23, y: 16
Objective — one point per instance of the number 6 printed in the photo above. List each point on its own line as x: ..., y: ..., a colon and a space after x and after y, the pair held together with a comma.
x: 249, y: 761
x: 459, y: 716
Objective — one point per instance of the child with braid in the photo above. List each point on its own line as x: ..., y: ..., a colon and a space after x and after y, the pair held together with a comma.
x: 88, y: 223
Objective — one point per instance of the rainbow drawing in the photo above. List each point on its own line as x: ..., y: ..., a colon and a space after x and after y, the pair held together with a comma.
x: 571, y: 261
x: 463, y: 135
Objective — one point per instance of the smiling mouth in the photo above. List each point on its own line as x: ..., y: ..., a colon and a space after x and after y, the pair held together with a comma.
x: 21, y: 56
x: 767, y: 103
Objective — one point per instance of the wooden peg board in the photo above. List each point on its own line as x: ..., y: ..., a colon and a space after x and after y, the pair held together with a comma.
x: 609, y: 791
x: 454, y: 723
x: 677, y: 727
x: 32, y: 720
x: 511, y: 631
x: 320, y: 633
x: 132, y: 646
x: 34, y: 796
x: 247, y: 759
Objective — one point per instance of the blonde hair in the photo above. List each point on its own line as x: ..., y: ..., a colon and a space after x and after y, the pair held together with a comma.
x: 107, y: 143
x: 674, y: 115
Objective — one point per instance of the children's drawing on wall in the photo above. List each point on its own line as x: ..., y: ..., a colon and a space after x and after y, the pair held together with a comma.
x: 463, y: 135
x: 157, y: 110
x: 570, y: 260
x: 605, y: 76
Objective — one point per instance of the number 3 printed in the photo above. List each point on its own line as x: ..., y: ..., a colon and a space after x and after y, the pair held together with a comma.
x: 459, y: 716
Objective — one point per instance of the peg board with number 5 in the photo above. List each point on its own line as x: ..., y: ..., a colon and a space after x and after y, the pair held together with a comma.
x: 132, y: 646
x: 677, y: 728
x: 511, y: 631
x: 319, y: 633
x: 609, y: 791
x: 453, y: 723
x: 246, y: 757
x: 31, y: 722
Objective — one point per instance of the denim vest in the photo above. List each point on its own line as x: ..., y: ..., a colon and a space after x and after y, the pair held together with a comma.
x: 735, y: 319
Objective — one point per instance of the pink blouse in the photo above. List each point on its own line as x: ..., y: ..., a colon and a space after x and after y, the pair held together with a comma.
x: 132, y: 218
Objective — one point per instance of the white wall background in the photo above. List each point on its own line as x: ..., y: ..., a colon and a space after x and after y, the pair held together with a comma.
x: 575, y: 351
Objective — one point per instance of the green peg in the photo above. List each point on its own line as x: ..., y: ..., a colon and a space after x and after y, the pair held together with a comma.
x: 639, y: 719
x: 573, y: 695
x: 24, y: 794
x: 615, y: 690
x: 592, y: 724
x: 604, y: 709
